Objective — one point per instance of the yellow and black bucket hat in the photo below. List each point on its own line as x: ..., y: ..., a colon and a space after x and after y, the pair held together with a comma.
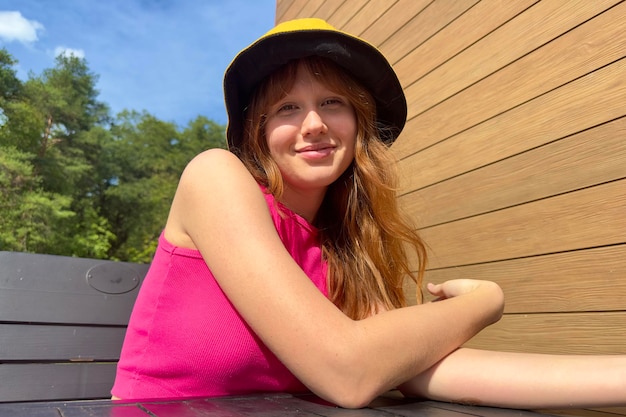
x: 301, y: 38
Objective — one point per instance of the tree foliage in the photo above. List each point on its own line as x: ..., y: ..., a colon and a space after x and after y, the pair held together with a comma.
x: 77, y: 181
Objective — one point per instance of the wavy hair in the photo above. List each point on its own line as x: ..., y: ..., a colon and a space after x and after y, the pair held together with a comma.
x: 363, y: 234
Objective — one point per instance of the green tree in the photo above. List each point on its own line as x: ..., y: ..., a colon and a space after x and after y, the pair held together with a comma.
x: 31, y: 217
x: 148, y: 156
x: 18, y: 120
x: 10, y: 85
x: 65, y: 99
x: 76, y: 181
x: 46, y: 166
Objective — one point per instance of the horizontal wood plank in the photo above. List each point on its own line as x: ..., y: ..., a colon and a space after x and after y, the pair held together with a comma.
x: 30, y: 382
x: 477, y: 410
x: 26, y: 271
x: 589, y: 158
x: 394, y: 18
x: 569, y: 333
x: 579, y: 281
x: 290, y: 9
x: 584, y: 412
x: 368, y: 16
x: 613, y: 410
x: 310, y: 7
x: 589, y: 101
x: 428, y: 22
x: 61, y: 289
x: 476, y: 23
x: 28, y: 410
x: 28, y: 342
x: 327, y: 9
x: 587, y: 218
x: 281, y: 8
x: 64, y: 308
x: 344, y: 13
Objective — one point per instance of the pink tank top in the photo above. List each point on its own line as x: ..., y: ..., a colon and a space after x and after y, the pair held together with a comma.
x: 186, y: 339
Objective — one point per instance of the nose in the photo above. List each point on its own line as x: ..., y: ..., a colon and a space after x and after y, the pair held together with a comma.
x: 313, y: 124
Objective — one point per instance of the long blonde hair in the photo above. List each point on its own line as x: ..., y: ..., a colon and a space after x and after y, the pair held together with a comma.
x: 362, y: 232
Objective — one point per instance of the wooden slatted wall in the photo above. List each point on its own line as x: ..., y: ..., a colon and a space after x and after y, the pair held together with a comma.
x: 513, y: 160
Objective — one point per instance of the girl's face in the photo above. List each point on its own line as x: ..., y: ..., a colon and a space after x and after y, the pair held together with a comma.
x: 311, y: 134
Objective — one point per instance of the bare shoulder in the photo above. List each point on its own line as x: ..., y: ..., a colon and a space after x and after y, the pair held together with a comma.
x: 213, y: 184
x: 217, y: 176
x: 218, y: 162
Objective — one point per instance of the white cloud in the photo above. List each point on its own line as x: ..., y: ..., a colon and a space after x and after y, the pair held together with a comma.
x: 14, y: 27
x: 62, y: 50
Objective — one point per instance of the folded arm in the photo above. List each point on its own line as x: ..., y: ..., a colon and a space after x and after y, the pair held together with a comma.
x: 220, y: 210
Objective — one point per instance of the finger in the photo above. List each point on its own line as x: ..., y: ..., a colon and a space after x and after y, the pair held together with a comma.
x: 434, y: 289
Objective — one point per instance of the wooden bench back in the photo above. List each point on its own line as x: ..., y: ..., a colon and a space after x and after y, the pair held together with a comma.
x: 62, y: 324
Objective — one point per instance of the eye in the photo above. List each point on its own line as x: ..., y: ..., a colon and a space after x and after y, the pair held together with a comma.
x: 286, y: 108
x: 333, y: 101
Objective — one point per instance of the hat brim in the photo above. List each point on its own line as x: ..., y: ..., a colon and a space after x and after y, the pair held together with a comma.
x: 360, y: 59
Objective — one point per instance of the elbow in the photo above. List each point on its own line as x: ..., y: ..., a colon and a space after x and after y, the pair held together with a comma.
x: 352, y: 383
x: 354, y: 403
x: 353, y: 397
x: 348, y: 372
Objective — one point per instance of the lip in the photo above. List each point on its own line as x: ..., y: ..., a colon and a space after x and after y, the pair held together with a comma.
x: 316, y: 151
x: 316, y: 147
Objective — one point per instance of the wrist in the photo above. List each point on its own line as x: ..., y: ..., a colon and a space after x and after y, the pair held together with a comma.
x: 494, y: 300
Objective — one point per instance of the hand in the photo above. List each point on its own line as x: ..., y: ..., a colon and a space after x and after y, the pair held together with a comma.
x: 456, y: 287
x: 490, y: 292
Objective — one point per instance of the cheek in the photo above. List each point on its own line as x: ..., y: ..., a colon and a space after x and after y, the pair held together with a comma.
x: 278, y: 136
x: 271, y: 138
x: 349, y: 136
x: 280, y: 150
x: 274, y: 140
x: 348, y: 126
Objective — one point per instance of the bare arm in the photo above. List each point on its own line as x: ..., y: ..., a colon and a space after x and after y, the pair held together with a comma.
x: 220, y: 210
x: 524, y: 380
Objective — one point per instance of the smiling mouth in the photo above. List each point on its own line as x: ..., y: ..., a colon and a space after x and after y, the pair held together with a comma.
x: 317, y: 148
x: 317, y: 151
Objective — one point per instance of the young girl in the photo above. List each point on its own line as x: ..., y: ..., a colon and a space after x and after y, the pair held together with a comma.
x: 281, y: 264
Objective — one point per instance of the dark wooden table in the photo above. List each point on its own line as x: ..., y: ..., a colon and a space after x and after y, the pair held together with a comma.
x: 271, y: 405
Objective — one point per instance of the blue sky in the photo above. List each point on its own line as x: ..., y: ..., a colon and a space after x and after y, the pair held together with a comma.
x: 166, y: 57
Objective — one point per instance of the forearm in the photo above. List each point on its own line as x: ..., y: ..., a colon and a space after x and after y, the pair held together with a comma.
x: 354, y: 362
x: 405, y: 342
x: 523, y: 380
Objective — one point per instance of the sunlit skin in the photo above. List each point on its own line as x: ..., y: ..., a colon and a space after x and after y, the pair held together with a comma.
x: 311, y: 136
